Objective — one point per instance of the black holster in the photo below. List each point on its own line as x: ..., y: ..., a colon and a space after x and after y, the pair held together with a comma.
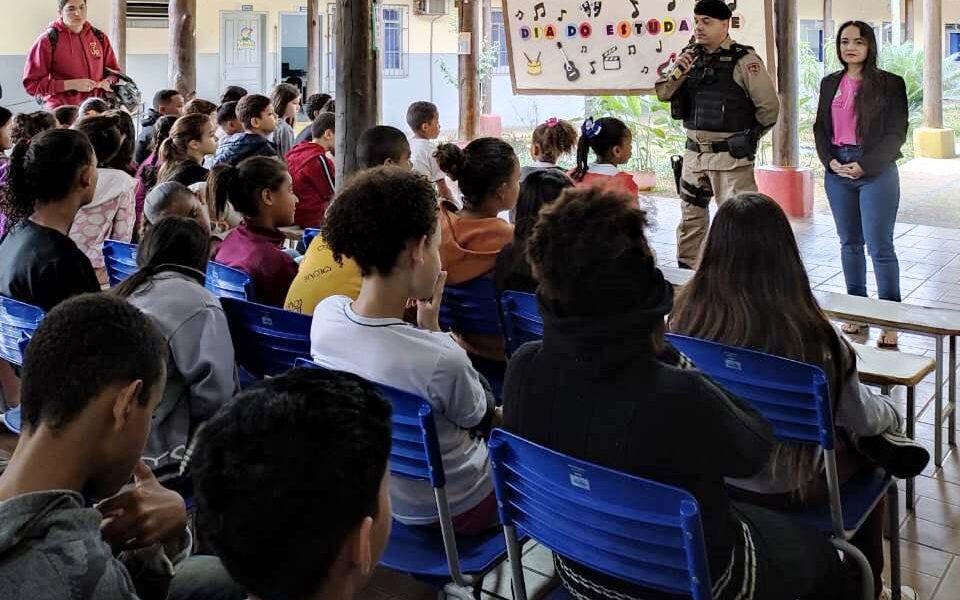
x: 676, y: 162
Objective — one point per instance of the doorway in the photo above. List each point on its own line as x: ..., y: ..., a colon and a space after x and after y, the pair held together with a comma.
x: 292, y: 58
x: 243, y: 50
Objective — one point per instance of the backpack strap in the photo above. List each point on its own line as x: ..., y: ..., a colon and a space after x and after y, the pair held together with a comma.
x: 53, y: 36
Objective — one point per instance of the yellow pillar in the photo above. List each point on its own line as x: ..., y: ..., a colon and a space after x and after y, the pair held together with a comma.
x: 932, y: 140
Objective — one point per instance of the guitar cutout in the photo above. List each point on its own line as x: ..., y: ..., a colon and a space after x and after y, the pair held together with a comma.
x: 569, y: 69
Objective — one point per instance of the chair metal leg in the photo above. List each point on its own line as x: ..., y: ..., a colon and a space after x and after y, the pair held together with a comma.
x: 938, y: 406
x: 893, y: 510
x: 866, y: 574
x: 952, y: 398
x: 911, y: 426
x: 515, y: 556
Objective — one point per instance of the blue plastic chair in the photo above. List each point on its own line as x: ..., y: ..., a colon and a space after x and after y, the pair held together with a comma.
x: 18, y: 321
x: 458, y: 563
x: 227, y: 282
x: 627, y: 527
x: 308, y: 234
x: 471, y: 307
x: 267, y: 340
x: 795, y: 398
x: 120, y: 259
x: 520, y: 315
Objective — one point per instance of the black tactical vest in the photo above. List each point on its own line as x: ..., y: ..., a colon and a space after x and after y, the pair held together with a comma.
x: 711, y: 100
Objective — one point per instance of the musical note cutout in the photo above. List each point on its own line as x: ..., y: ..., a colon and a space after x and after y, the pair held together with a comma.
x: 645, y: 70
x: 659, y: 45
x: 631, y: 49
x: 593, y: 67
x: 585, y: 7
x: 592, y: 10
x: 519, y: 15
x: 583, y: 49
x: 636, y: 9
x: 672, y: 5
x: 611, y: 60
x: 733, y: 5
x: 539, y: 10
x: 563, y: 13
x: 597, y: 5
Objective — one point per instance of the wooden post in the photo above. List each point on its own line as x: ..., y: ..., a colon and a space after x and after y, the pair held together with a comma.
x: 469, y: 82
x: 933, y: 64
x: 786, y: 139
x: 182, y: 70
x: 486, y: 86
x: 313, y: 47
x: 896, y: 22
x: 771, y: 48
x: 910, y: 20
x: 357, y: 78
x: 118, y: 32
x: 828, y: 32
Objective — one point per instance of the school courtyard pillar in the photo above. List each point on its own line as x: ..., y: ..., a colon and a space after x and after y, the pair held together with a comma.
x: 469, y: 76
x: 358, y: 89
x: 932, y: 140
x: 182, y: 66
x: 313, y: 47
x: 118, y: 32
x: 786, y: 181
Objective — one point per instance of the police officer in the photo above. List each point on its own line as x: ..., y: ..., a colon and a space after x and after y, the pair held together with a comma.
x: 727, y: 101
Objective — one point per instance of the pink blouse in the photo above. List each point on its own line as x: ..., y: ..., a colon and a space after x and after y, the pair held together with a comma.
x: 844, y: 113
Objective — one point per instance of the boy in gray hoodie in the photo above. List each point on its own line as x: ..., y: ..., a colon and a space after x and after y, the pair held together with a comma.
x: 92, y: 376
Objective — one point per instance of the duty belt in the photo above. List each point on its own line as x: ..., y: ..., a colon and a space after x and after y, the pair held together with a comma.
x: 707, y: 147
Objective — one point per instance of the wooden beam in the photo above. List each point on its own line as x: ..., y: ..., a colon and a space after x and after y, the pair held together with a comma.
x: 118, y: 32
x: 828, y: 25
x: 486, y: 86
x: 910, y: 21
x: 770, y: 34
x: 896, y: 22
x: 786, y: 138
x: 933, y: 64
x: 182, y: 66
x: 357, y: 81
x: 469, y: 82
x: 313, y: 47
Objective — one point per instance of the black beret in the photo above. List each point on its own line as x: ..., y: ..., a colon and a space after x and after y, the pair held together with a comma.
x: 713, y: 8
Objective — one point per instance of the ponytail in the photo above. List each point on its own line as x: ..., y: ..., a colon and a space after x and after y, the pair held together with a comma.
x: 242, y: 185
x: 600, y: 135
x: 175, y: 150
x: 18, y: 198
x: 479, y: 169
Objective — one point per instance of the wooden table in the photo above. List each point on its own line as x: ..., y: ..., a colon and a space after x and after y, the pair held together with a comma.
x: 293, y: 234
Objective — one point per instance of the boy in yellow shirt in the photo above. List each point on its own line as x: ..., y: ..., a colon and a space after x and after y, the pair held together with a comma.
x: 320, y: 276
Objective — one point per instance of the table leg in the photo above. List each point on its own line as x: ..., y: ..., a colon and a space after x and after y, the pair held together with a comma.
x: 911, y: 425
x: 952, y: 419
x: 938, y: 407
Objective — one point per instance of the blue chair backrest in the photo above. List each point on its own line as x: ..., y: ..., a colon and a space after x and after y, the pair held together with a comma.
x: 792, y: 395
x: 308, y: 234
x: 120, y: 259
x: 415, y: 451
x: 630, y: 528
x: 227, y: 282
x: 267, y: 340
x: 471, y: 307
x: 18, y: 321
x: 520, y: 315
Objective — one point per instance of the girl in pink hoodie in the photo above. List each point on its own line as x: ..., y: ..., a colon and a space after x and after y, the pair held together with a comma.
x: 68, y: 63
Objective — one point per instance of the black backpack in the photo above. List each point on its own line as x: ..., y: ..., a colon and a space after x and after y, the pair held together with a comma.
x: 54, y: 36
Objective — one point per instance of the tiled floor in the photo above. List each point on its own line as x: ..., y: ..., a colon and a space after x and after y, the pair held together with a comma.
x: 930, y: 276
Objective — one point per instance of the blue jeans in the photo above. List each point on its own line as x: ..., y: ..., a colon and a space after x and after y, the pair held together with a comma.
x: 865, y: 210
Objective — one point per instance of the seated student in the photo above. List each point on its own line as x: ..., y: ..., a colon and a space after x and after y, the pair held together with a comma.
x: 386, y: 221
x: 540, y: 188
x: 325, y: 534
x: 612, y: 144
x: 91, y: 380
x: 172, y: 199
x: 261, y: 189
x: 123, y: 159
x: 199, y: 106
x: 66, y: 115
x: 233, y: 93
x: 489, y: 176
x: 551, y: 140
x: 752, y: 280
x: 147, y: 171
x: 319, y: 275
x: 597, y: 373
x: 192, y: 138
x: 259, y: 122
x: 423, y: 118
x: 227, y: 119
x: 22, y: 128
x: 112, y: 214
x: 286, y: 103
x: 51, y: 177
x: 313, y: 172
x: 201, y: 372
x: 165, y: 103
x: 313, y: 107
x: 93, y: 106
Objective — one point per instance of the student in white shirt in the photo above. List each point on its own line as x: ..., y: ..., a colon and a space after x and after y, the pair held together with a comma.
x: 386, y: 221
x: 424, y: 120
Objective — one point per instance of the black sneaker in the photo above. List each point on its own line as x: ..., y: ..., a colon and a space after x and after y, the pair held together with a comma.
x: 899, y: 455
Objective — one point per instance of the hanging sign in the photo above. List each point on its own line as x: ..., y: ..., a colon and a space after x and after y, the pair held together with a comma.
x: 597, y: 47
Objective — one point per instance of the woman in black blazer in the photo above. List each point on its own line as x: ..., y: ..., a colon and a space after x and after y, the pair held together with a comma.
x: 861, y: 126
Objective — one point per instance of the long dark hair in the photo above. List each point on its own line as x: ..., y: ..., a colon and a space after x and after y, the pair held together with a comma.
x: 600, y: 135
x: 174, y: 151
x: 752, y: 290
x: 243, y: 184
x: 539, y: 189
x: 173, y: 244
x: 869, y: 100
x: 123, y: 159
x: 44, y: 170
x: 283, y: 95
x: 161, y: 131
x: 480, y: 168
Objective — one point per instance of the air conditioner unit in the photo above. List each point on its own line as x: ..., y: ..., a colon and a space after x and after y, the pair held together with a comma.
x: 430, y: 7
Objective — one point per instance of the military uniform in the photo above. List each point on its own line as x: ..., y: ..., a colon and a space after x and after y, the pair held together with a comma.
x: 726, y: 93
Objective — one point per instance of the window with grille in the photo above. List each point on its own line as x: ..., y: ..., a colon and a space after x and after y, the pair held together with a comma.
x: 499, y: 39
x: 393, y: 34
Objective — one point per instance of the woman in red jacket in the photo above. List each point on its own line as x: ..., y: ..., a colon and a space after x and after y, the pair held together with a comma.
x: 69, y: 62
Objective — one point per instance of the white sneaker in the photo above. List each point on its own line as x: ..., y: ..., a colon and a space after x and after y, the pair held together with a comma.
x: 906, y: 593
